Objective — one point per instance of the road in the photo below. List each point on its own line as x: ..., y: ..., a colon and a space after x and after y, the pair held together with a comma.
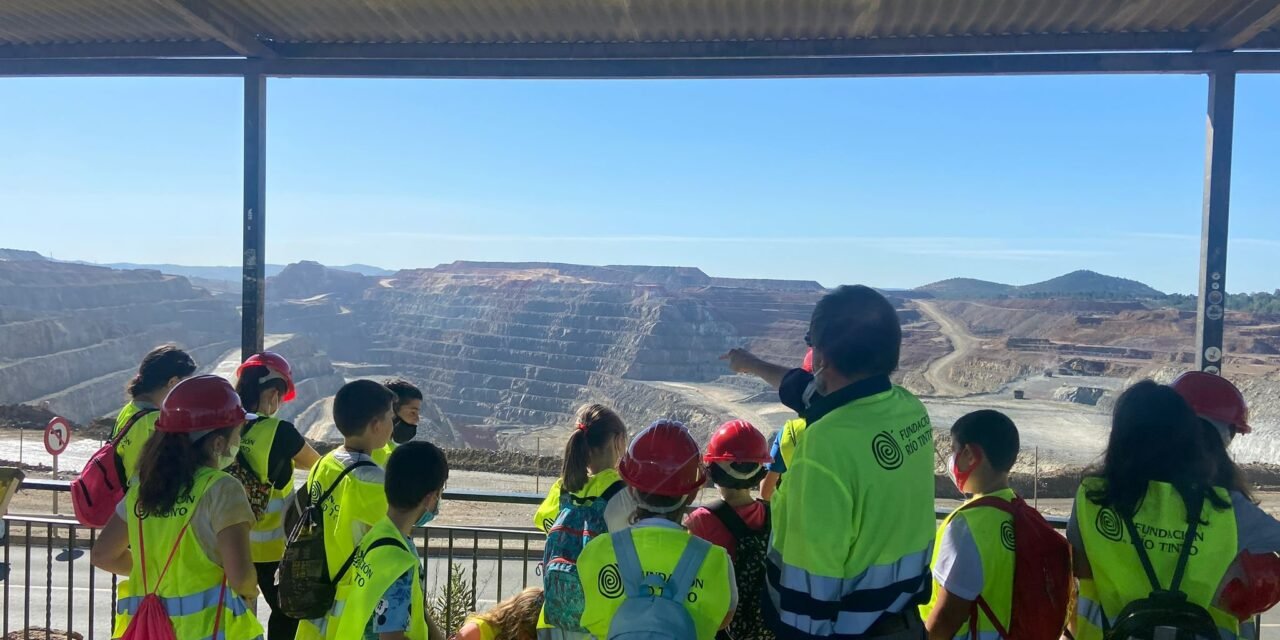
x: 962, y: 344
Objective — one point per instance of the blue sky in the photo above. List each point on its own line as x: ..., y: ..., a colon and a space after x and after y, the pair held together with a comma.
x: 893, y: 182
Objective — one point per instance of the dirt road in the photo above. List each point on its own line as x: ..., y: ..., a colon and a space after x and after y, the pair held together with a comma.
x: 962, y: 344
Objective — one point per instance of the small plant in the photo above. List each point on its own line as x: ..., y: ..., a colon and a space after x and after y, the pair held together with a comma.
x: 451, y: 605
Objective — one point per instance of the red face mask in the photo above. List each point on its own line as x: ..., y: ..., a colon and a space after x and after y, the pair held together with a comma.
x: 961, y: 477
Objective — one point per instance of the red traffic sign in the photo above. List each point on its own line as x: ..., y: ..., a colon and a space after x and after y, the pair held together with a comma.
x: 57, y: 435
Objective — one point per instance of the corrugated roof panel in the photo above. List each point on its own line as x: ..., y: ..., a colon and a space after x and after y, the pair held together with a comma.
x: 58, y: 21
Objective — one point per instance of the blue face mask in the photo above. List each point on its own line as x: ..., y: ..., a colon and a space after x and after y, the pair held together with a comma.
x: 429, y: 516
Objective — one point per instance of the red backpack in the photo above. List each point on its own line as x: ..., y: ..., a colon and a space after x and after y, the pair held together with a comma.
x: 1041, y: 576
x: 101, y: 484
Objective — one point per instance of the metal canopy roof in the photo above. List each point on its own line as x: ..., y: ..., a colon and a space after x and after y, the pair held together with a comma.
x: 616, y: 37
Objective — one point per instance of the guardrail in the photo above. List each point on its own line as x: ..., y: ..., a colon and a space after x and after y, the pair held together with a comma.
x: 497, y: 561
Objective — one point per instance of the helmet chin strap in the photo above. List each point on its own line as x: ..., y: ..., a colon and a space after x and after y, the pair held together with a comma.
x: 661, y: 510
x: 1224, y: 431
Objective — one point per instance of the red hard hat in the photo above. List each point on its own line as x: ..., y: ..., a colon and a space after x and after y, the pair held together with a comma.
x: 808, y: 361
x: 1214, y: 398
x: 201, y: 403
x: 275, y: 363
x: 663, y: 460
x: 1253, y: 585
x: 738, y: 441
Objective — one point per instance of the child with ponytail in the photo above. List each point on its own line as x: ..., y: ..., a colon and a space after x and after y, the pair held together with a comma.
x: 587, y: 500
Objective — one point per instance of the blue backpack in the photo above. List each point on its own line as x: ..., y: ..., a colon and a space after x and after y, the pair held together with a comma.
x: 654, y: 608
x: 580, y: 520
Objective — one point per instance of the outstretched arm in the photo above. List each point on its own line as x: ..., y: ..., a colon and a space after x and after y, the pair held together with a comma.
x: 743, y: 361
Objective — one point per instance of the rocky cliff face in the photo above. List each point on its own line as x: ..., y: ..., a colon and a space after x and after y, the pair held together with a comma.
x: 72, y: 335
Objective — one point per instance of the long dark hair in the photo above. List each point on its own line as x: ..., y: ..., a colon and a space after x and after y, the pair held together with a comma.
x: 167, y: 470
x: 158, y: 367
x: 598, y: 426
x: 1155, y: 436
x: 1230, y: 476
x: 250, y: 386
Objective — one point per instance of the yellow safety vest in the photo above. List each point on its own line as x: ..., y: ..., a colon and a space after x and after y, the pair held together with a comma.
x: 1118, y: 578
x: 853, y: 522
x: 266, y: 539
x: 372, y: 573
x: 381, y: 456
x: 358, y: 500
x: 130, y: 446
x: 659, y: 550
x: 992, y: 531
x: 486, y: 630
x: 194, y: 584
x: 549, y: 510
x: 790, y: 436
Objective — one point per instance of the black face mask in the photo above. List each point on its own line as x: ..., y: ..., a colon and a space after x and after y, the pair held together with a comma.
x: 402, y: 432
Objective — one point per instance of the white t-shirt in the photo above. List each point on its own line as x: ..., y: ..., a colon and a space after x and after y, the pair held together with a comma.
x: 959, y: 565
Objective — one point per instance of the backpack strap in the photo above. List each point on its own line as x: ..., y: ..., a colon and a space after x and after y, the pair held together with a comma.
x: 1010, y: 507
x: 133, y: 419
x: 142, y: 551
x: 613, y: 490
x: 333, y: 487
x: 686, y: 571
x: 380, y: 542
x: 1183, y: 557
x: 729, y: 517
x: 624, y: 549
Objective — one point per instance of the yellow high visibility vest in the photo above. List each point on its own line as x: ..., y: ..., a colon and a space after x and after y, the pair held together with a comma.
x: 266, y: 539
x: 372, y: 573
x: 130, y: 446
x: 659, y: 550
x: 381, y: 456
x: 992, y: 531
x: 790, y: 436
x: 486, y: 630
x: 1161, y: 520
x: 194, y: 584
x: 359, y: 500
x: 853, y: 520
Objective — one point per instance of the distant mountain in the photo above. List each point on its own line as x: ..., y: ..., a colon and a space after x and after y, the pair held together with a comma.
x: 967, y: 288
x: 20, y: 255
x: 231, y: 274
x: 365, y: 270
x: 1077, y: 284
x: 1092, y: 284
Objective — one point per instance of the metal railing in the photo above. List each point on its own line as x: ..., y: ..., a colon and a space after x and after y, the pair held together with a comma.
x: 50, y: 554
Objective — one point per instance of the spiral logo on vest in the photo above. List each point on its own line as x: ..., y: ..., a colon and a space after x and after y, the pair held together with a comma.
x: 886, y: 451
x: 1006, y: 534
x: 610, y: 582
x: 1109, y: 525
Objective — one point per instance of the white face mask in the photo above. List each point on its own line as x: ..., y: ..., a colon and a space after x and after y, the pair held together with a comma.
x: 227, y: 459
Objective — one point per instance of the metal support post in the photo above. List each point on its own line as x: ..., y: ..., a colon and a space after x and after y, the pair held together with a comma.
x: 252, y: 330
x: 1211, y: 304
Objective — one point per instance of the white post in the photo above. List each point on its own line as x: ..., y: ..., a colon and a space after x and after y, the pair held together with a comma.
x: 1035, y: 489
x: 55, y: 493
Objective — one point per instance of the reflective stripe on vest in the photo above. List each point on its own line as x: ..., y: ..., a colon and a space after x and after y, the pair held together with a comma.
x: 1161, y: 520
x: 1091, y: 611
x: 185, y: 605
x: 266, y: 536
x: 871, y: 461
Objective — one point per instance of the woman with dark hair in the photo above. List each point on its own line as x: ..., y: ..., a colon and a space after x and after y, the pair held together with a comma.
x: 161, y: 369
x: 1158, y: 489
x: 270, y: 450
x: 182, y: 531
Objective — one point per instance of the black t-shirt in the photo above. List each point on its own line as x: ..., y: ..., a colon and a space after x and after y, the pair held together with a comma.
x: 287, y: 443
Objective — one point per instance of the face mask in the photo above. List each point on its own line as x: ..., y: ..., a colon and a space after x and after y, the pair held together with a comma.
x: 402, y: 432
x: 961, y: 478
x: 429, y: 515
x: 226, y: 460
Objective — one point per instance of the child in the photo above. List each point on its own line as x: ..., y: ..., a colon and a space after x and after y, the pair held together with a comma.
x: 973, y: 555
x: 586, y: 501
x: 185, y: 509
x: 408, y: 408
x: 362, y: 412
x: 736, y: 459
x: 161, y: 370
x: 513, y: 619
x: 270, y: 449
x: 386, y: 601
x: 663, y: 473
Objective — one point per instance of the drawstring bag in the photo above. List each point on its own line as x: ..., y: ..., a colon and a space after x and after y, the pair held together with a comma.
x: 151, y: 621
